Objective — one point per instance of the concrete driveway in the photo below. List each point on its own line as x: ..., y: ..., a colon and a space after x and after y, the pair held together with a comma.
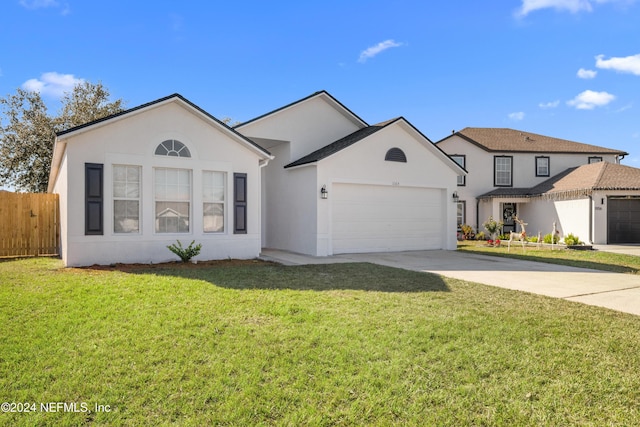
x: 616, y: 291
x: 630, y: 249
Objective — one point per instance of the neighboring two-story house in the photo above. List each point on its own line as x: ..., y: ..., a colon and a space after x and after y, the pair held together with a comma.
x: 581, y: 188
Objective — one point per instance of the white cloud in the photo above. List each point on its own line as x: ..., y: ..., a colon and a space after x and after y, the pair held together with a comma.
x: 38, y: 4
x: 586, y: 74
x: 516, y: 116
x: 627, y: 64
x: 374, y: 50
x: 41, y: 4
x: 547, y: 105
x: 588, y: 100
x: 52, y: 84
x: 573, y: 6
x: 624, y: 108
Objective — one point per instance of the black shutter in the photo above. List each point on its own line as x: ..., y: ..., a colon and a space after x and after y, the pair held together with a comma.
x: 240, y: 203
x: 93, y: 199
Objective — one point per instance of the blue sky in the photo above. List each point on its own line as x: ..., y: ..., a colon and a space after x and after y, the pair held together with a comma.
x: 563, y: 68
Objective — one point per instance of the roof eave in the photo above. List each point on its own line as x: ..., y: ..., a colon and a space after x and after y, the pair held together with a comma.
x: 59, y: 149
x: 323, y: 93
x: 265, y: 154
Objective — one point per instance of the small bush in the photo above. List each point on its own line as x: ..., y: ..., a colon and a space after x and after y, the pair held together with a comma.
x: 571, y: 240
x: 547, y: 239
x: 533, y: 239
x: 467, y: 231
x: 480, y: 236
x: 187, y: 253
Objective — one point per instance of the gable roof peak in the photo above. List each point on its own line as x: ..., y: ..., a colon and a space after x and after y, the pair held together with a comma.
x: 319, y: 94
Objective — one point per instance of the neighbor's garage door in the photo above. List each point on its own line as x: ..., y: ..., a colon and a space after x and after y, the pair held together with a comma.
x: 623, y: 220
x: 373, y: 218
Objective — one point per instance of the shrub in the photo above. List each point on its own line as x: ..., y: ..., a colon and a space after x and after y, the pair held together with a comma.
x: 533, y: 239
x: 547, y: 239
x: 571, y: 240
x: 480, y: 236
x: 467, y: 231
x: 187, y: 253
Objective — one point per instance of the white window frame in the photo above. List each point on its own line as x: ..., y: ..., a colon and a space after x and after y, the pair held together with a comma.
x: 211, y: 199
x: 127, y: 196
x: 461, y: 207
x: 461, y: 159
x: 159, y: 197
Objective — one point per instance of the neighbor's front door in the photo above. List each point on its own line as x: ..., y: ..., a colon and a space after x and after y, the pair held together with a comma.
x: 508, y: 212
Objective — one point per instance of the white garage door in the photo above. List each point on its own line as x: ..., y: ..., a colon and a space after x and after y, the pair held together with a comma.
x: 373, y: 218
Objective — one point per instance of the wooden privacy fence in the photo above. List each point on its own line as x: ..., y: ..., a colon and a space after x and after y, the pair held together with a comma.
x: 29, y: 224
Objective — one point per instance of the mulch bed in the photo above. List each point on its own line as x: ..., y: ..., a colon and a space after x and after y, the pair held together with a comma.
x: 177, y: 265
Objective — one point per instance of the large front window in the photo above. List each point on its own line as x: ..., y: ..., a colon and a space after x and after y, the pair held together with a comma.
x: 126, y: 199
x: 503, y: 171
x: 172, y: 200
x: 213, y: 193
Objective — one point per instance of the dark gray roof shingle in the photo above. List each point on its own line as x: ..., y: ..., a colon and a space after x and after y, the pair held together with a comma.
x: 339, y: 145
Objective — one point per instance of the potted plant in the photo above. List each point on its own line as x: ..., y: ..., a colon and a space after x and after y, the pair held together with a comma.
x: 492, y: 226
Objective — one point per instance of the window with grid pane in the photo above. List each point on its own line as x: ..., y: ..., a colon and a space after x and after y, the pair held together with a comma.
x: 460, y: 159
x: 542, y: 166
x: 172, y: 147
x: 213, y: 195
x: 172, y: 200
x: 126, y: 199
x: 503, y: 168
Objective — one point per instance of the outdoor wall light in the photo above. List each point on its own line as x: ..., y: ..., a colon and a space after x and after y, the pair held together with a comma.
x: 455, y: 197
x: 324, y: 193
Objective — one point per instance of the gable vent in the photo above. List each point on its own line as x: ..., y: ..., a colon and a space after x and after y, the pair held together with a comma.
x: 395, y: 155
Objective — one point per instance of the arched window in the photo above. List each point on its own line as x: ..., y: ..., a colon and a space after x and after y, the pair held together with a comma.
x: 174, y: 148
x: 395, y: 155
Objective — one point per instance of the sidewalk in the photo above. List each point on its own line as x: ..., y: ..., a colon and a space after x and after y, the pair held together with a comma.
x: 616, y: 291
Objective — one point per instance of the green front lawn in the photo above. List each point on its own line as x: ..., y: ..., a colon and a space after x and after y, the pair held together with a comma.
x: 255, y: 343
x: 598, y: 260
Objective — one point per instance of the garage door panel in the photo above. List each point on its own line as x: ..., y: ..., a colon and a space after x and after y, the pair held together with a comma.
x: 368, y: 218
x: 623, y: 220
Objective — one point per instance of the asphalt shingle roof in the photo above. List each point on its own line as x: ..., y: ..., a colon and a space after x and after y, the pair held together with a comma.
x: 511, y: 140
x: 578, y: 180
x: 339, y: 145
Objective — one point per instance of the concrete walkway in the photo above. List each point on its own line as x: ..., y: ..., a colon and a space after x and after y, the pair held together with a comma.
x: 616, y: 291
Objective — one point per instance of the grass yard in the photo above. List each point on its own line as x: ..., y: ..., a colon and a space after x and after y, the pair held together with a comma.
x: 254, y: 343
x: 598, y: 260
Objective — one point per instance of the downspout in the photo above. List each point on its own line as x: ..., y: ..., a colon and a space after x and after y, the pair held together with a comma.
x: 477, y: 215
x: 591, y: 208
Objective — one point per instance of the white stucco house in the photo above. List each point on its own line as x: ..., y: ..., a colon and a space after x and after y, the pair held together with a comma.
x: 582, y: 188
x: 133, y: 183
x: 311, y: 177
x: 387, y: 186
